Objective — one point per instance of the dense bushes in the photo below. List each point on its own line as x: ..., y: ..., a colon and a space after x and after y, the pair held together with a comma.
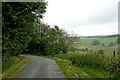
x: 114, y: 68
x: 52, y: 41
x: 91, y: 60
x: 14, y: 45
x: 18, y: 26
x: 100, y: 52
x: 95, y: 61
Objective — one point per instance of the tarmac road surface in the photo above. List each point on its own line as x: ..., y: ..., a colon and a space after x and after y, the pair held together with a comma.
x: 40, y: 67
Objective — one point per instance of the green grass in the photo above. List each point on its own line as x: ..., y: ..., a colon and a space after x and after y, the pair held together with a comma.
x: 86, y: 43
x: 17, y: 64
x: 95, y: 73
x: 71, y: 71
x: 92, y: 60
x: 105, y: 66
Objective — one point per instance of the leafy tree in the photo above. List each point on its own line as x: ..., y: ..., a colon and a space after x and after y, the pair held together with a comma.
x: 111, y: 44
x: 75, y: 49
x: 23, y: 31
x: 95, y: 42
x: 52, y: 41
x: 19, y: 26
x: 102, y: 44
x: 86, y: 49
x: 100, y: 51
x: 118, y: 40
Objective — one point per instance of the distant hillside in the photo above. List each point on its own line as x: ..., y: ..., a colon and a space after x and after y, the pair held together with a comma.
x: 101, y: 36
x: 116, y: 35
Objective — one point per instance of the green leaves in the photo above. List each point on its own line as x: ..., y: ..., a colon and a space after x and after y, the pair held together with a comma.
x: 19, y: 25
x: 52, y: 41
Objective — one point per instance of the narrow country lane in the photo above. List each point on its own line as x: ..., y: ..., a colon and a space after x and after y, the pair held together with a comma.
x: 40, y: 67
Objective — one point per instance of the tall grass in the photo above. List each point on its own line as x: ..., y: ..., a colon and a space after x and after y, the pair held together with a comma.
x: 95, y: 61
x: 12, y: 60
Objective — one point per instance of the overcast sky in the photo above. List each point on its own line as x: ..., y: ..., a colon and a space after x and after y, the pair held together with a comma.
x: 84, y: 17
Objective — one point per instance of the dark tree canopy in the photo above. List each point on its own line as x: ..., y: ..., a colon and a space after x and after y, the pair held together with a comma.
x: 24, y: 33
x: 19, y: 25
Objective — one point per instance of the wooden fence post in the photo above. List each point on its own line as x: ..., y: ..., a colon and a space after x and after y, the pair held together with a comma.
x: 113, y: 53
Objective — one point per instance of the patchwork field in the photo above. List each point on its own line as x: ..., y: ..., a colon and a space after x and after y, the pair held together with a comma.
x: 104, y: 44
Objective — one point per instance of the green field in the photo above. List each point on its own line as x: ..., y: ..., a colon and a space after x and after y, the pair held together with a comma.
x: 87, y: 43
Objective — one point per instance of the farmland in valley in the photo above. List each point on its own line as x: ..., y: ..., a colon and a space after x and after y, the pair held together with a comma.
x: 108, y: 45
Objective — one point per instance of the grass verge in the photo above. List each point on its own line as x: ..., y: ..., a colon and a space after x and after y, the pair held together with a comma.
x: 72, y: 71
x: 69, y: 70
x: 11, y: 71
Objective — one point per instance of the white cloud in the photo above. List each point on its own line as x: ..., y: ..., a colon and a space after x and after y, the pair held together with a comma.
x: 101, y: 29
x: 83, y: 16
